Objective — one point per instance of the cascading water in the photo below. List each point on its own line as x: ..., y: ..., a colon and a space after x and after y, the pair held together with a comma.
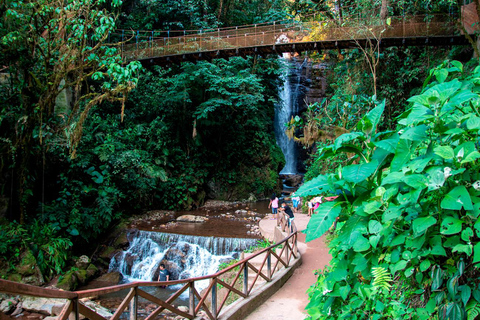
x: 184, y: 256
x: 291, y: 98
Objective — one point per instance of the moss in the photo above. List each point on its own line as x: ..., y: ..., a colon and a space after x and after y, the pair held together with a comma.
x: 27, y: 264
x: 81, y: 276
x: 91, y: 271
x: 107, y: 252
x: 68, y: 282
x: 14, y: 277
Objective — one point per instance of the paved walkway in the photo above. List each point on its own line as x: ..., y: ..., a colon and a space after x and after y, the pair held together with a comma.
x: 290, y: 301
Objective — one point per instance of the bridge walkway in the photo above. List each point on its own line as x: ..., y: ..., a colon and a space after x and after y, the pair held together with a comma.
x: 311, y: 33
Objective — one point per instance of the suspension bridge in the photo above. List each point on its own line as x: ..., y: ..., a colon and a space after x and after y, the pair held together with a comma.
x: 309, y: 34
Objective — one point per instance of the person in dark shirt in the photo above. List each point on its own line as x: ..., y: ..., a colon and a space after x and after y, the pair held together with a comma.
x: 289, y: 212
x: 164, y: 274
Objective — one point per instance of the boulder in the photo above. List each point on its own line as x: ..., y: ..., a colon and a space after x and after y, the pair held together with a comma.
x: 91, y: 271
x: 293, y: 180
x: 183, y: 309
x: 42, y: 305
x: 8, y: 305
x: 104, y: 312
x: 68, y: 281
x: 112, y: 277
x: 82, y: 262
x: 107, y: 252
x: 27, y: 270
x: 191, y: 218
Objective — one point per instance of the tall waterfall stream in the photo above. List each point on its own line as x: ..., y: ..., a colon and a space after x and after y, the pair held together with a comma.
x: 291, y: 100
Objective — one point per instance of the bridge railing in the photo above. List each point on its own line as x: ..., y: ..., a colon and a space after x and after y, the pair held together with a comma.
x: 312, y: 28
x: 272, y: 260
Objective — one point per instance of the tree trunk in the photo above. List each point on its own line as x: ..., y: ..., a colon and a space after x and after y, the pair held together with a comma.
x: 339, y: 10
x: 384, y: 10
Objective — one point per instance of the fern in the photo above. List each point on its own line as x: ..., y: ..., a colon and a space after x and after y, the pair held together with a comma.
x: 381, y: 278
x: 473, y: 309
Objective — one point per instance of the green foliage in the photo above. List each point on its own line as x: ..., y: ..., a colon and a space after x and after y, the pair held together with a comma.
x: 261, y: 244
x: 409, y: 203
x: 51, y: 251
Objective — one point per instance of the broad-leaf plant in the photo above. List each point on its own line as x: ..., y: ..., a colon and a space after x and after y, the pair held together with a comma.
x: 409, y: 201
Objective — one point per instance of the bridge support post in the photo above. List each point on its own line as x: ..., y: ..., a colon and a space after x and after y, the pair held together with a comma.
x: 269, y: 265
x: 191, y: 300
x: 245, y: 278
x: 134, y: 306
x: 214, y: 298
x: 76, y: 314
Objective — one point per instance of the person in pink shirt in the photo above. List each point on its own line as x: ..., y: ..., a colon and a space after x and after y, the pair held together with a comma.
x: 274, y: 205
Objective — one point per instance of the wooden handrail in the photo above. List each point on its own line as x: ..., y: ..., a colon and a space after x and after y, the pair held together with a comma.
x: 75, y: 306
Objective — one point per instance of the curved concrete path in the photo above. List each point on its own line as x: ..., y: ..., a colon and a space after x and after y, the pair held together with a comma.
x: 290, y: 301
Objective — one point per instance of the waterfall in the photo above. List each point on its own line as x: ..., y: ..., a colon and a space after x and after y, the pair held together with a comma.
x: 291, y: 101
x: 185, y: 256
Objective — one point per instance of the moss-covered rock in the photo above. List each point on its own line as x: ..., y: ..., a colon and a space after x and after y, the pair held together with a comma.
x: 27, y: 264
x: 68, y: 281
x: 14, y: 277
x: 81, y: 276
x: 91, y: 271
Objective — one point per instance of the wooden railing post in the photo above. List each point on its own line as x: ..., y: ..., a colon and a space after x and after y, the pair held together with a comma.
x: 191, y: 298
x: 134, y: 306
x: 269, y: 265
x: 76, y: 314
x: 245, y: 278
x: 214, y: 298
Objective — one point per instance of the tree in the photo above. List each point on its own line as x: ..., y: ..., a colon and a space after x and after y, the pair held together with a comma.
x: 48, y: 47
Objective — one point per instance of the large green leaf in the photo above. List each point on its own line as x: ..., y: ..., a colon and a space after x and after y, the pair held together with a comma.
x: 476, y: 253
x: 400, y: 265
x: 323, y: 219
x: 421, y: 224
x: 375, y: 114
x: 446, y: 152
x: 403, y: 154
x: 436, y: 179
x: 473, y: 123
x: 359, y: 172
x: 457, y: 198
x: 451, y: 225
x: 418, y: 114
x: 346, y: 137
x: 416, y: 181
x: 388, y: 144
x: 314, y: 187
x: 417, y: 133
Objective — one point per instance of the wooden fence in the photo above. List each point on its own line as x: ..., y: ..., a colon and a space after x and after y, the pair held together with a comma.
x: 274, y: 258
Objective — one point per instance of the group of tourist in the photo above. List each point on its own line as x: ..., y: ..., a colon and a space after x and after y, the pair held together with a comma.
x: 312, y: 205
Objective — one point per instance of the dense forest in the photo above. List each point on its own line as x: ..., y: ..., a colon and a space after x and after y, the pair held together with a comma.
x: 88, y: 139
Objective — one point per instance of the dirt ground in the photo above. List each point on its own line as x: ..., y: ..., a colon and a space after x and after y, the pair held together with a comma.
x: 290, y: 301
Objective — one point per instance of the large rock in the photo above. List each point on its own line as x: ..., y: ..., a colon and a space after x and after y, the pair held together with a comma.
x: 8, y: 305
x: 112, y: 277
x: 42, y: 305
x: 293, y: 180
x: 82, y: 262
x: 191, y: 218
x: 27, y: 271
x: 104, y: 312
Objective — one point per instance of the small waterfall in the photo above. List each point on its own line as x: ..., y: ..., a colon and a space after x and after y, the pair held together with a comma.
x: 291, y: 101
x: 184, y: 256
